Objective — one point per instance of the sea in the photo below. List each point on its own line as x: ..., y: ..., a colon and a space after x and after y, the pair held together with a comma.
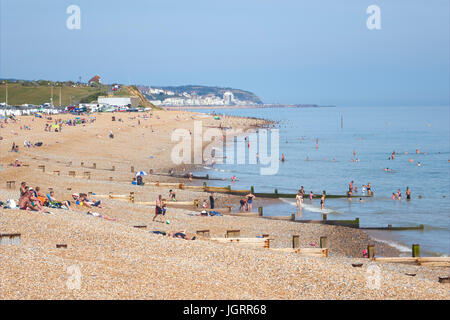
x: 327, y: 147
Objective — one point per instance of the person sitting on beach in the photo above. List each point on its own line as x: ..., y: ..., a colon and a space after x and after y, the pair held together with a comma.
x: 23, y: 188
x: 27, y: 202
x: 181, y: 234
x: 205, y: 204
x: 37, y: 192
x: 134, y: 182
x: 53, y: 203
x: 139, y: 181
x: 17, y: 163
x: 82, y: 200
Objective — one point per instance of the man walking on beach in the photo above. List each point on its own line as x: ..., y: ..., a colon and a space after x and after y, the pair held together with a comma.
x: 211, y: 200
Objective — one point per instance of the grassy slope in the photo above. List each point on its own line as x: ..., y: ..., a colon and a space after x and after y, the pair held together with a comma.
x: 18, y: 94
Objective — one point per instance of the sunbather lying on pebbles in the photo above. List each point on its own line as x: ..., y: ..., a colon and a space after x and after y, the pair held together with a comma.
x: 95, y: 214
x: 181, y: 234
x: 81, y: 200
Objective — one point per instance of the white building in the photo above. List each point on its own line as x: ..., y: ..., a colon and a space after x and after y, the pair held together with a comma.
x: 133, y: 102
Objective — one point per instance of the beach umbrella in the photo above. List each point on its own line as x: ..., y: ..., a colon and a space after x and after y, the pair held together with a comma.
x: 141, y: 173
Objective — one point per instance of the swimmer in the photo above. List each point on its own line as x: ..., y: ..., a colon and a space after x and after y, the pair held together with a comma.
x: 408, y: 194
x: 399, y: 195
x: 419, y: 164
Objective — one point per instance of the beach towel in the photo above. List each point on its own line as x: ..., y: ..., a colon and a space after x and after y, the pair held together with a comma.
x: 215, y: 213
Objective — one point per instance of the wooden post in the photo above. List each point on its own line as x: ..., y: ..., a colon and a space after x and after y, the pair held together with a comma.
x: 371, y: 251
x: 203, y: 233
x: 295, y: 241
x: 233, y: 234
x: 416, y: 250
x: 323, y: 242
x: 260, y: 211
x: 324, y: 216
x: 132, y: 168
x: 10, y: 184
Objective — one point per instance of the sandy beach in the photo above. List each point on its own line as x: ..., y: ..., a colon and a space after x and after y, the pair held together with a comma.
x: 118, y: 261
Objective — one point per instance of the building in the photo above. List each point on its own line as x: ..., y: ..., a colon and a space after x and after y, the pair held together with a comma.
x: 228, y: 98
x: 132, y: 102
x: 95, y: 80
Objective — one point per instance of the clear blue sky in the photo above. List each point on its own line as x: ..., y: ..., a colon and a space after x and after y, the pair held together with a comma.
x: 283, y: 51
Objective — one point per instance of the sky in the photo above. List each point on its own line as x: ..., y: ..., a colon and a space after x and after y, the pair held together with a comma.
x: 284, y: 51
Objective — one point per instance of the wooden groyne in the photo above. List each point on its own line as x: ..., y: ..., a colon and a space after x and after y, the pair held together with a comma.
x: 391, y: 228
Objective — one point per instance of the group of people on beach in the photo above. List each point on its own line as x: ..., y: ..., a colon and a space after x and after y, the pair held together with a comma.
x: 247, y: 202
x: 299, y: 198
x: 398, y: 195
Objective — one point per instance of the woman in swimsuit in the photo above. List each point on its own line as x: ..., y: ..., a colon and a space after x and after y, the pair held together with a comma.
x: 369, y: 191
x: 399, y: 195
x: 408, y: 193
x: 250, y: 198
x: 299, y: 199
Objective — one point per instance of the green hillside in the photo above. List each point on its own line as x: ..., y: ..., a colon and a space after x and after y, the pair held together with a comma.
x: 37, y: 93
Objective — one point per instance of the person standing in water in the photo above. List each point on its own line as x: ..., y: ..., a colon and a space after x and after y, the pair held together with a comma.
x: 322, y: 202
x: 311, y: 195
x: 399, y: 194
x: 299, y: 199
x: 369, y: 189
x: 408, y: 194
x: 250, y: 198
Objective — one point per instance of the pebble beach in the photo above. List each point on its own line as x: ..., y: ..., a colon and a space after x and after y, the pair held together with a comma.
x: 116, y: 260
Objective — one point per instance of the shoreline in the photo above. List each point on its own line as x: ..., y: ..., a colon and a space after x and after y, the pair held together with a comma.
x: 105, y: 248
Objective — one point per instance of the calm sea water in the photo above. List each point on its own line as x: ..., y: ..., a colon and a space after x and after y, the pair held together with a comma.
x: 373, y: 133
